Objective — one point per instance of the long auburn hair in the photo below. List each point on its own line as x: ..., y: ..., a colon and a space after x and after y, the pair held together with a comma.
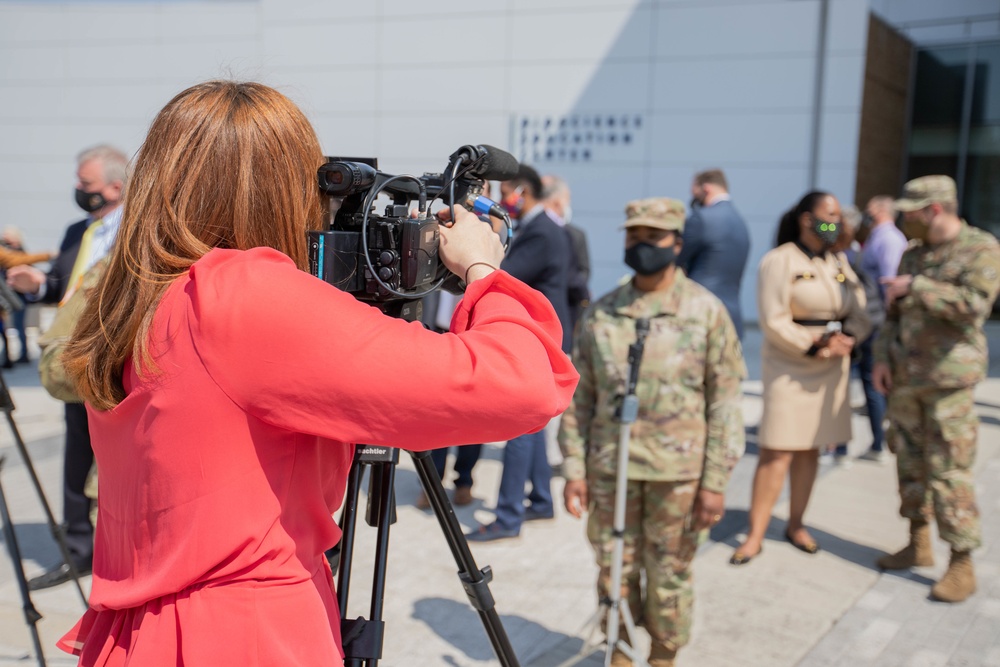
x: 225, y: 165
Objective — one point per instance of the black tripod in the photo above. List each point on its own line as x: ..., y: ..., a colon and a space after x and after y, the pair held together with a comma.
x: 362, y: 639
x: 31, y: 615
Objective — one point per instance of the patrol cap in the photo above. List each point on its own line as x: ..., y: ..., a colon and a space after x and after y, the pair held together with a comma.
x: 656, y: 212
x: 926, y: 190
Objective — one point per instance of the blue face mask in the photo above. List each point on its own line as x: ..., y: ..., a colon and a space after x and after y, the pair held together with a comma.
x: 647, y: 259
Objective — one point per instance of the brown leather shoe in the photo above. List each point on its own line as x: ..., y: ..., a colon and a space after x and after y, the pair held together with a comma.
x: 463, y: 496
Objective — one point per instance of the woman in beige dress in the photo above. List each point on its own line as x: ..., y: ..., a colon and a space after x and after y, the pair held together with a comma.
x: 812, y: 310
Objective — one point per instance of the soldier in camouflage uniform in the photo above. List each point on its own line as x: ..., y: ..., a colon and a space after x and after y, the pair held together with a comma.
x: 686, y: 440
x: 929, y: 357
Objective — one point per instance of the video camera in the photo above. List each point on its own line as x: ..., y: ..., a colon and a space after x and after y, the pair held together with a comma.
x: 394, y: 256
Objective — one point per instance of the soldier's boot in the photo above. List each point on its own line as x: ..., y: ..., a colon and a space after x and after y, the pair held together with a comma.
x: 915, y: 554
x: 619, y: 659
x: 661, y: 655
x: 958, y: 582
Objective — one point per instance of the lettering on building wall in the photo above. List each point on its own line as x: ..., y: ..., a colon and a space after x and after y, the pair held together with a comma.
x: 576, y: 137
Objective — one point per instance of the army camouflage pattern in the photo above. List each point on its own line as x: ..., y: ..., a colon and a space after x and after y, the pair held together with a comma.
x: 934, y: 336
x: 657, y: 212
x: 658, y: 541
x: 935, y: 345
x: 933, y: 433
x: 54, y: 339
x: 690, y: 421
x: 926, y: 190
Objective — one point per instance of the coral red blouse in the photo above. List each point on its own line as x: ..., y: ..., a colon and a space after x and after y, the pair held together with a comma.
x: 219, y: 472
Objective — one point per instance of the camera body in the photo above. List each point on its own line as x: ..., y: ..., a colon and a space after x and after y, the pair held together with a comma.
x: 393, y: 255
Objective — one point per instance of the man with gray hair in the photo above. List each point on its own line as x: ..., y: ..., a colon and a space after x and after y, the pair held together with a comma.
x: 100, y: 180
x: 556, y: 198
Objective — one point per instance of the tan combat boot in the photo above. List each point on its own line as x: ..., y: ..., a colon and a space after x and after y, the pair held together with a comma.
x: 619, y: 659
x: 661, y: 655
x: 958, y: 582
x: 915, y: 554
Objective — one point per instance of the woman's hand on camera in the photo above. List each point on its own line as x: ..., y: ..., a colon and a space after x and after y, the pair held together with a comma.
x: 469, y: 247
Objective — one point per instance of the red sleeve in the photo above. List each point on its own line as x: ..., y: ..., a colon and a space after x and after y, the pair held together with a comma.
x: 302, y: 355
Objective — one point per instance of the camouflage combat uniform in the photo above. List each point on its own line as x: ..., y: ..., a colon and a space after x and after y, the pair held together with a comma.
x: 688, y: 435
x: 934, y: 343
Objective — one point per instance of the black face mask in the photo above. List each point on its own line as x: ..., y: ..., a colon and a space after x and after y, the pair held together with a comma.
x: 828, y: 232
x: 90, y: 201
x: 647, y: 259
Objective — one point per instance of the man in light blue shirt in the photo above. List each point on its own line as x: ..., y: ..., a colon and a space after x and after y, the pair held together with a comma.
x: 879, y: 259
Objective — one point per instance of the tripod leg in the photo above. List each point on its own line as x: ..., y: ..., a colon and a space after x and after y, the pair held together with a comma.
x: 348, y: 527
x: 362, y: 638
x: 618, y: 608
x: 474, y: 580
x: 31, y: 615
x: 7, y: 405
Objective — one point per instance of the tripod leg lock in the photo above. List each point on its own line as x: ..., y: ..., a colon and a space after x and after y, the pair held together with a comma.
x: 362, y: 639
x: 479, y: 591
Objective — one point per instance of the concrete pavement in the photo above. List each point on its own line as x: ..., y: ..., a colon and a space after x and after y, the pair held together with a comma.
x: 785, y: 608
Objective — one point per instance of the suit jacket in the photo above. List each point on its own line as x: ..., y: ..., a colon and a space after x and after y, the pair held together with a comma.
x: 57, y: 279
x: 579, y: 292
x: 539, y: 256
x: 716, y: 247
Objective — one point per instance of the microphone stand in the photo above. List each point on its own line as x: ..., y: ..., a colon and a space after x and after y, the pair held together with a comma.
x: 612, y: 603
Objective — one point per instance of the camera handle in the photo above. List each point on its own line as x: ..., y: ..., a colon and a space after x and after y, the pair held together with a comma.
x: 362, y: 638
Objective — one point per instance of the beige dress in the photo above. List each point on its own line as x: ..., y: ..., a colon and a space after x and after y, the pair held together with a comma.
x: 806, y: 402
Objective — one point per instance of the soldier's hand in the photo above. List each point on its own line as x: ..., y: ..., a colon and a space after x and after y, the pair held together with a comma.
x: 896, y: 287
x: 576, y: 497
x: 882, y: 378
x: 709, y: 508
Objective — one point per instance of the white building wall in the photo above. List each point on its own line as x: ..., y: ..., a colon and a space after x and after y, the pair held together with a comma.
x: 713, y: 83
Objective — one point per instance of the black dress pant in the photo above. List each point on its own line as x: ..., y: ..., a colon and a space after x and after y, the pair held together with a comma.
x: 76, y: 466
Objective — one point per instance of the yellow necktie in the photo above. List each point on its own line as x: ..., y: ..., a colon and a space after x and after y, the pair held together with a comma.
x: 82, y: 259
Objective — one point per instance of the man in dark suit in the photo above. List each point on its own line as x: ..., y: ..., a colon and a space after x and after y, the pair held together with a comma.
x: 556, y: 197
x: 716, y: 242
x: 539, y: 255
x: 100, y: 177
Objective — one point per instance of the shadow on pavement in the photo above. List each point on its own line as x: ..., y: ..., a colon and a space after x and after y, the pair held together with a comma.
x: 35, y: 542
x: 459, y: 624
x: 735, y: 522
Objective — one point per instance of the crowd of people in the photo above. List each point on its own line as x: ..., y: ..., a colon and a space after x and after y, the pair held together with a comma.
x: 165, y: 292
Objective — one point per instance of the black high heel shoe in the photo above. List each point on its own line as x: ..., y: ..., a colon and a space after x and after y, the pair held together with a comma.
x: 740, y: 558
x: 809, y: 547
